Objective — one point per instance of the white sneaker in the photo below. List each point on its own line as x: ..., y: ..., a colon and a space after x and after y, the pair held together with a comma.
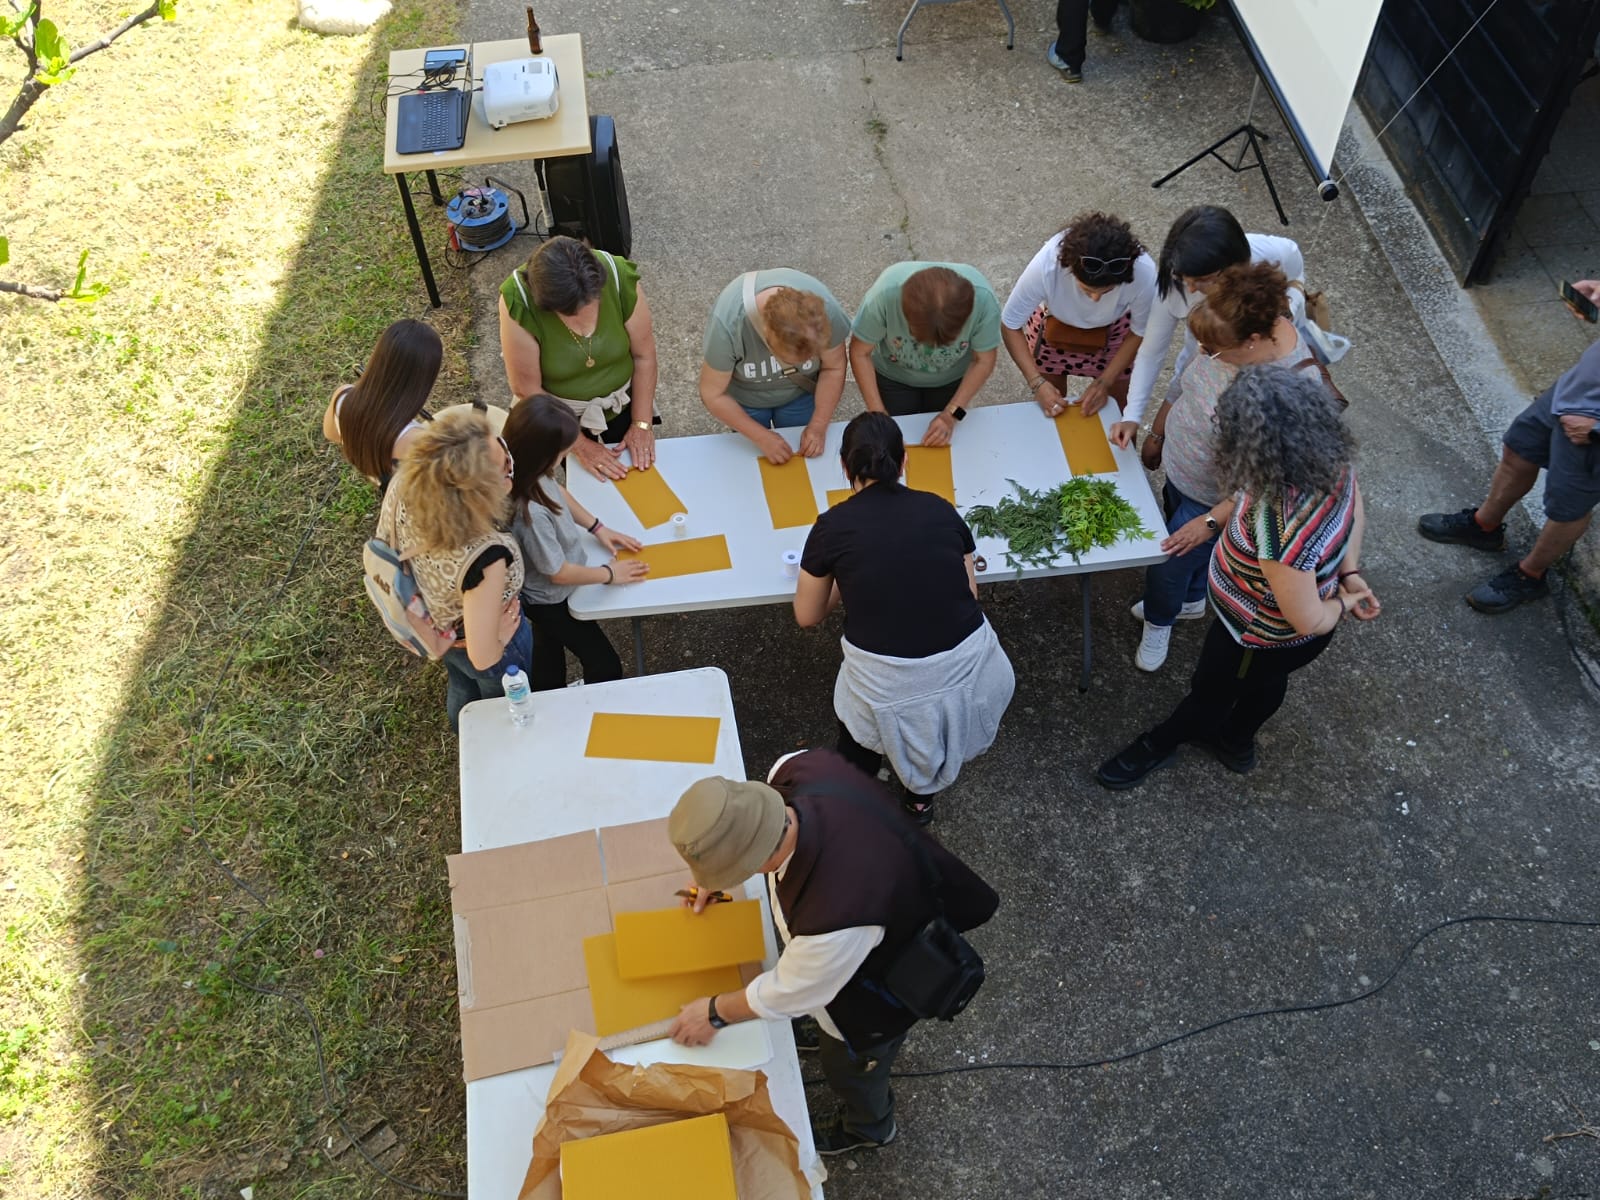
x: 1153, y: 645
x: 1194, y: 610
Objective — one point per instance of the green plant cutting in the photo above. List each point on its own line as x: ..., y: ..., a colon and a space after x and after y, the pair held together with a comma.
x: 1074, y: 518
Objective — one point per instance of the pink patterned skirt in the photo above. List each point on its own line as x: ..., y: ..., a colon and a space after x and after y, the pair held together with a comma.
x: 1051, y: 361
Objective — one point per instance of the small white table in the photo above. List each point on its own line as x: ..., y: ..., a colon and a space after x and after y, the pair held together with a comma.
x: 533, y: 783
x: 717, y: 478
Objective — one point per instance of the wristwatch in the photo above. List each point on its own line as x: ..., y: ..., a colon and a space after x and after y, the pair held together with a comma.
x: 958, y: 413
x: 715, y: 1021
x: 1211, y: 523
x: 644, y: 425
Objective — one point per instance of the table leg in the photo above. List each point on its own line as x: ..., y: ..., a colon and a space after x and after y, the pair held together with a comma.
x: 433, y: 188
x: 1088, y: 635
x: 416, y: 238
x: 638, y: 645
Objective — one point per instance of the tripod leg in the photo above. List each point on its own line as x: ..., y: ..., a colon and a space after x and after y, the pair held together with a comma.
x: 1266, y: 175
x: 1207, y: 152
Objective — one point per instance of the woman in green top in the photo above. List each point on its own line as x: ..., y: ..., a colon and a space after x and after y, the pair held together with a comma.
x: 574, y: 324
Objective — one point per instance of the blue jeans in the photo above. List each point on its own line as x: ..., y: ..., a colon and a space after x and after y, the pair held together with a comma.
x: 794, y: 412
x: 468, y: 683
x: 1182, y: 578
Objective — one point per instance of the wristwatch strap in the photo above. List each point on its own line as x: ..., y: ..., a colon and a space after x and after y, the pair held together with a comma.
x: 715, y: 1021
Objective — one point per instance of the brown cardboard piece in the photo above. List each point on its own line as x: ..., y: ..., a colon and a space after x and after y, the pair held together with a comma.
x: 591, y: 1095
x: 521, y: 914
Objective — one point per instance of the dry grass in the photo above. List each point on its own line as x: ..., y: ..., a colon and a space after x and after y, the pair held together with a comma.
x: 164, y: 459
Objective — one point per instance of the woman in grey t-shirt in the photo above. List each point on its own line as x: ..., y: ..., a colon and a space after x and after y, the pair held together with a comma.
x: 549, y: 526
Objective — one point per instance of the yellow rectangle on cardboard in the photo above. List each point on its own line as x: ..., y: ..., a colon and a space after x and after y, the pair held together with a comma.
x: 666, y: 941
x: 649, y: 496
x: 652, y: 738
x: 837, y: 496
x: 691, y: 1159
x: 790, y: 499
x: 689, y: 557
x: 928, y: 470
x: 1083, y: 440
x: 621, y: 1004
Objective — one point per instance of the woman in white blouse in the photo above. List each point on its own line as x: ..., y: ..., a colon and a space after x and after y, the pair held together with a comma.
x: 1080, y: 308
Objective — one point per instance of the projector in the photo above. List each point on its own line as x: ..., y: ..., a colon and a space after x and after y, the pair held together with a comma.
x: 524, y: 89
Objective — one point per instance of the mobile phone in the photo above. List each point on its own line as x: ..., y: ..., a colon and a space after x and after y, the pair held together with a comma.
x: 443, y: 62
x: 1578, y: 302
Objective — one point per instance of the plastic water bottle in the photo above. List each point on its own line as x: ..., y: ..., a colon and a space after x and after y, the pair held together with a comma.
x: 518, y: 694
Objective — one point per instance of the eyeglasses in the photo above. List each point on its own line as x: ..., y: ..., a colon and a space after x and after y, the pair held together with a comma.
x: 511, y: 463
x: 1104, y: 266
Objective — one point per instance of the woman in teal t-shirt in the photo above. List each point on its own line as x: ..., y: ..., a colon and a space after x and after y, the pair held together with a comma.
x: 924, y: 341
x: 574, y: 324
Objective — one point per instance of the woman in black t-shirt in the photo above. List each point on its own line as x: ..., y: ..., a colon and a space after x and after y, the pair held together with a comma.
x: 924, y: 680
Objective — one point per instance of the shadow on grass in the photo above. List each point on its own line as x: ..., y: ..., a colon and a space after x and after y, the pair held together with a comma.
x: 324, y: 778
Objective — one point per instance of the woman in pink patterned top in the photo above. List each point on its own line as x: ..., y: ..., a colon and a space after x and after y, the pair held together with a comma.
x: 1285, y: 572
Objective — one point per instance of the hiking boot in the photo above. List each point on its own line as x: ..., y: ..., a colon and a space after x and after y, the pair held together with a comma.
x: 1507, y: 590
x: 1193, y: 610
x: 1461, y: 529
x: 1068, y: 72
x: 1239, y: 761
x: 1133, y: 763
x: 834, y: 1138
x: 1152, y: 651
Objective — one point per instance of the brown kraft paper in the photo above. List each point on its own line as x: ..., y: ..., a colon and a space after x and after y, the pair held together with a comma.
x: 591, y: 1095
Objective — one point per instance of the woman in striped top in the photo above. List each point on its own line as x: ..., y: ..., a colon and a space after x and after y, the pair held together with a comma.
x: 1284, y: 574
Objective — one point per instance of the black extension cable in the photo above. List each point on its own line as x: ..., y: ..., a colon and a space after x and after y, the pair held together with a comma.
x: 1252, y: 1015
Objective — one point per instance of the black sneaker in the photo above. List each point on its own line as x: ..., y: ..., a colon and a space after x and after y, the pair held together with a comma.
x: 1240, y: 762
x: 1461, y: 529
x: 807, y: 1034
x: 1121, y: 771
x: 834, y: 1138
x: 1507, y: 590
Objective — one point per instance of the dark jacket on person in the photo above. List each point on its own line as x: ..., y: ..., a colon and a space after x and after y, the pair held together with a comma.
x: 850, y: 867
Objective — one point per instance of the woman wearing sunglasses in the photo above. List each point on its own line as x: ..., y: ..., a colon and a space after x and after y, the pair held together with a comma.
x: 1080, y: 308
x: 1242, y: 322
x: 448, y: 514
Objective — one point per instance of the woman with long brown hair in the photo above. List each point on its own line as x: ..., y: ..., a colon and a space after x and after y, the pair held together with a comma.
x: 374, y: 420
x: 448, y: 515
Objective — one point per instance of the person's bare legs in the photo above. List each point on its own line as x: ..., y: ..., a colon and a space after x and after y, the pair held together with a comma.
x: 1555, y: 539
x: 1513, y: 478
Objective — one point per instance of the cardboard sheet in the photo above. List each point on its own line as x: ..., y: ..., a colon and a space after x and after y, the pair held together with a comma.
x: 928, y: 470
x: 688, y: 1159
x: 649, y: 496
x: 627, y: 1003
x: 837, y: 496
x: 1084, y: 441
x: 691, y: 556
x: 653, y: 738
x: 790, y: 499
x: 637, y: 851
x: 668, y: 941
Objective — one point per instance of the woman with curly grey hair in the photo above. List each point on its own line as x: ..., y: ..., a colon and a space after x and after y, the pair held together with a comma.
x: 1285, y: 572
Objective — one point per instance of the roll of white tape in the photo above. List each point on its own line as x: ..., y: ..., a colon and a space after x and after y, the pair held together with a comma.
x: 680, y: 525
x: 791, y: 563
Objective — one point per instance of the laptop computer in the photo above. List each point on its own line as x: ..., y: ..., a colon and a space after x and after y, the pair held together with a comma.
x: 434, y: 120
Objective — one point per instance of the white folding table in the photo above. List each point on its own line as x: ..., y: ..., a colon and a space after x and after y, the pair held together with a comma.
x: 533, y: 783
x: 717, y: 478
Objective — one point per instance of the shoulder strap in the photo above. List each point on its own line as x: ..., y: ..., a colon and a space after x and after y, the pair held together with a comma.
x: 616, y: 280
x: 748, y: 287
x: 516, y: 278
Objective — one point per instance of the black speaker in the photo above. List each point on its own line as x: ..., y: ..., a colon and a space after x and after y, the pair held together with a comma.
x: 588, y: 200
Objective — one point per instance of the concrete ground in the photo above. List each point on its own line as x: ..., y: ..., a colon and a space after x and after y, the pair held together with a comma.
x: 1433, y: 764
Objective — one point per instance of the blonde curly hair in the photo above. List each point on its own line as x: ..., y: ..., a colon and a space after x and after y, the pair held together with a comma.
x: 453, y: 490
x: 797, y: 324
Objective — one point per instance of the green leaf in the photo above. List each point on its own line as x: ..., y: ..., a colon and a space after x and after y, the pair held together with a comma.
x: 5, y: 251
x: 10, y: 26
x: 56, y: 71
x: 48, y: 43
x: 81, y: 293
x: 168, y: 9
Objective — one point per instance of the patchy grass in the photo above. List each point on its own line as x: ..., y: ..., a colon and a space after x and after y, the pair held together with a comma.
x: 164, y: 462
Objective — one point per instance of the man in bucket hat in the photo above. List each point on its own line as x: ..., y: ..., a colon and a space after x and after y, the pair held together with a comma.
x: 847, y: 895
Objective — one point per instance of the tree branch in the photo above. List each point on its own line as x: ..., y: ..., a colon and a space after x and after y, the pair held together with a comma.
x: 27, y: 289
x: 27, y: 94
x: 105, y: 39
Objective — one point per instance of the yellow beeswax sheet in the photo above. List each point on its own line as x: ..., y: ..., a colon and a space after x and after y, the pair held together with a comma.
x: 648, y: 494
x: 1084, y: 441
x: 837, y: 496
x: 790, y: 499
x: 666, y: 941
x: 928, y: 470
x: 621, y: 1004
x: 653, y: 738
x: 689, y: 1159
x: 690, y: 556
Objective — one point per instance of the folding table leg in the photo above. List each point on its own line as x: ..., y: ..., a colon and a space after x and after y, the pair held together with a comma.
x: 433, y: 188
x: 416, y: 238
x: 1088, y: 635
x: 638, y: 645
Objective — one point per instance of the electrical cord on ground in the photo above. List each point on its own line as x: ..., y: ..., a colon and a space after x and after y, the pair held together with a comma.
x: 1253, y: 1014
x: 265, y: 915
